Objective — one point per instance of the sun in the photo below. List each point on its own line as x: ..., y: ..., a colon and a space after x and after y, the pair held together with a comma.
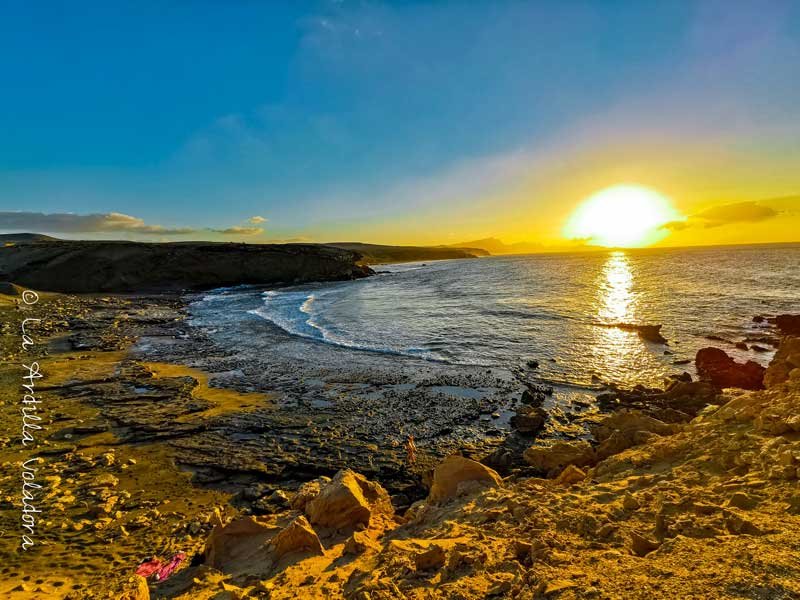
x: 622, y: 216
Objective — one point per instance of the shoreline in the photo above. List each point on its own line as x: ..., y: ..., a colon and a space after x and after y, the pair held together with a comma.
x: 116, y: 408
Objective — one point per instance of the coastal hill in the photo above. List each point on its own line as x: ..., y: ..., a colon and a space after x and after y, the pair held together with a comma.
x: 81, y: 266
x: 496, y: 246
x: 118, y: 266
x: 378, y: 253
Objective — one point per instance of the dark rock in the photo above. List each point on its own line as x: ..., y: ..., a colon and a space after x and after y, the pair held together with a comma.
x: 529, y: 420
x: 716, y: 366
x: 741, y: 346
x: 651, y: 333
x: 788, y: 324
x: 758, y: 319
x: 533, y: 364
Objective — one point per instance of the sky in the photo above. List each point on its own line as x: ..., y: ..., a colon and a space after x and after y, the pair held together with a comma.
x: 397, y: 122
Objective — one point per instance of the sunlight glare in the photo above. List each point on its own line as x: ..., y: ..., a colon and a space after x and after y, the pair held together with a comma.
x: 622, y: 216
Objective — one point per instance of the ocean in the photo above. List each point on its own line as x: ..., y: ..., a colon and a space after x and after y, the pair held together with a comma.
x: 550, y: 308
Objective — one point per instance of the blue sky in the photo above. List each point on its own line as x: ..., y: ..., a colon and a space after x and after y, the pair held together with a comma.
x: 334, y: 119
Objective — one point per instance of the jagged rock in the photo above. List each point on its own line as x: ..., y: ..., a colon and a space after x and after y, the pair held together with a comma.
x: 298, y: 536
x: 788, y: 324
x: 529, y: 419
x: 134, y: 588
x: 571, y: 474
x: 358, y: 543
x: 786, y: 363
x: 549, y: 455
x: 307, y: 492
x: 432, y: 558
x: 724, y: 372
x: 348, y: 500
x: 454, y: 471
x: 234, y: 545
x: 642, y: 546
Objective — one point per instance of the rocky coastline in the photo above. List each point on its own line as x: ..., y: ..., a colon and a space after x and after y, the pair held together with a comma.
x: 145, y: 455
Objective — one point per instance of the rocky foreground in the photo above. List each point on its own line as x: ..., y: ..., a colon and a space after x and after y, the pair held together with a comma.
x: 679, y: 493
x: 709, y: 509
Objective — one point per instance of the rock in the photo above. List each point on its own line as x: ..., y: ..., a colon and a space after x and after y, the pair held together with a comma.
x: 743, y: 501
x: 629, y: 502
x: 432, y: 558
x: 550, y: 455
x: 628, y: 422
x: 741, y: 346
x: 532, y: 397
x: 358, y: 543
x: 348, y: 500
x: 651, y: 333
x: 455, y: 471
x: 298, y: 536
x: 785, y: 363
x: 134, y: 588
x: 571, y: 474
x: 642, y: 546
x: 529, y: 419
x: 233, y: 546
x: 738, y: 525
x: 788, y: 324
x: 307, y: 492
x: 533, y: 364
x: 715, y: 365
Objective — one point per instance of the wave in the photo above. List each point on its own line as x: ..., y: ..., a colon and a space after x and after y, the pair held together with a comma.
x: 294, y: 312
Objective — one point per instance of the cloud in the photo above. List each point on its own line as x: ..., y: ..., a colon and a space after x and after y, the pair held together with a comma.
x: 749, y: 212
x: 726, y: 214
x: 239, y: 231
x: 255, y: 220
x: 73, y: 223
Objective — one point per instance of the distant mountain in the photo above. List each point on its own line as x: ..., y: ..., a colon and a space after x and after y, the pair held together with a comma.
x: 496, y: 246
x: 378, y: 253
x: 21, y: 238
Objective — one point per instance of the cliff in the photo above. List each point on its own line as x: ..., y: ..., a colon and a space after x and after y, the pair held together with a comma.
x: 106, y: 266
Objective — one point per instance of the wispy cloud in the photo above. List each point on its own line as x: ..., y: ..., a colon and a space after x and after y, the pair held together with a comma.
x: 726, y: 214
x: 72, y: 223
x: 256, y: 220
x: 239, y: 231
x: 75, y: 223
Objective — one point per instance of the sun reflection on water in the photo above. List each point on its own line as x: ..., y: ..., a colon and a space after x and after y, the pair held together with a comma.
x: 616, y: 351
x: 616, y: 290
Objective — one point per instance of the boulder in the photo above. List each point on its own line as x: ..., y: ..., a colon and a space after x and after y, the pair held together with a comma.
x: 571, y: 474
x: 529, y: 419
x: 133, y: 588
x: 628, y: 422
x: 307, y: 492
x: 298, y: 536
x: 553, y: 455
x: 358, y: 543
x: 348, y: 500
x: 716, y: 366
x: 788, y: 324
x: 651, y: 333
x: 241, y: 542
x: 455, y: 471
x: 432, y: 558
x: 786, y: 363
